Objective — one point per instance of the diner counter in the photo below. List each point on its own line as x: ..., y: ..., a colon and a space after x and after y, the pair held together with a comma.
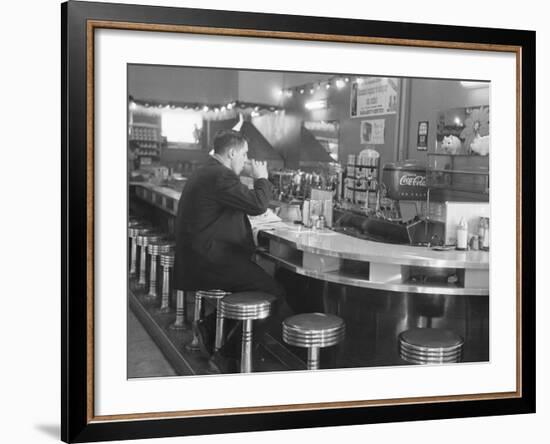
x: 343, y: 259
x: 162, y: 197
x: 330, y: 243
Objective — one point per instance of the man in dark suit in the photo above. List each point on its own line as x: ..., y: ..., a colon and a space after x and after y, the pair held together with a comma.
x: 214, y: 242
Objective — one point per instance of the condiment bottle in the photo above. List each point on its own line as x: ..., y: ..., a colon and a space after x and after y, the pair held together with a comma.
x: 481, y: 231
x: 321, y: 222
x: 461, y: 235
x: 313, y: 221
x: 485, y: 243
x: 474, y: 242
x: 305, y: 213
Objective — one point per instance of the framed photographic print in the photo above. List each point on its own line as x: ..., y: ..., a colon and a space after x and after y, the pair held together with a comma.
x: 235, y: 257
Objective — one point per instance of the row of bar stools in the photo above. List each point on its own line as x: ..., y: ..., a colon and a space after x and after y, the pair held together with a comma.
x: 143, y: 240
x: 313, y: 331
x: 216, y: 295
x: 430, y: 346
x: 155, y: 249
x: 133, y: 233
x: 246, y: 307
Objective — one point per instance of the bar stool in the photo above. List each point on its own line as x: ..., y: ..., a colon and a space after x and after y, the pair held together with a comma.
x: 246, y: 307
x: 430, y: 346
x: 167, y: 264
x: 217, y: 296
x: 143, y: 240
x: 313, y: 331
x: 155, y: 249
x: 133, y: 233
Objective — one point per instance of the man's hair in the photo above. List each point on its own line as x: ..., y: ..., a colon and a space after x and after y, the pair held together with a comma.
x: 224, y: 140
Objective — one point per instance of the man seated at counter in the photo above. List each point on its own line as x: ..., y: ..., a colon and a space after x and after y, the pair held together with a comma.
x: 214, y: 242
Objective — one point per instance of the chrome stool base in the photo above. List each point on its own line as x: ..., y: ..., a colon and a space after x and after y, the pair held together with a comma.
x: 313, y: 331
x: 143, y: 240
x: 167, y: 264
x: 246, y: 307
x: 216, y: 295
x: 155, y: 249
x: 133, y: 232
x: 179, y: 323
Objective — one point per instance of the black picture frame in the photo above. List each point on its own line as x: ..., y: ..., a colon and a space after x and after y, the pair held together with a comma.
x: 78, y: 423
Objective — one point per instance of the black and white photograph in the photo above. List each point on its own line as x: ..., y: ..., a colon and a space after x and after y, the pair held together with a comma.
x: 271, y: 230
x: 280, y: 222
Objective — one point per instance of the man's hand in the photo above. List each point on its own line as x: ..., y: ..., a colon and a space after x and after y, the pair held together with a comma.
x: 259, y: 169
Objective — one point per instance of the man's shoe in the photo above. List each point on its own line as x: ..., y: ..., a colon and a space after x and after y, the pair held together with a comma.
x: 204, y: 337
x: 222, y: 364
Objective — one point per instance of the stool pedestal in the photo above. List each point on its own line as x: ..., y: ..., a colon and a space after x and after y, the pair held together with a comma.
x: 167, y: 264
x: 143, y: 240
x: 155, y: 249
x: 179, y: 323
x: 246, y: 307
x: 216, y: 295
x: 133, y: 233
x: 313, y: 331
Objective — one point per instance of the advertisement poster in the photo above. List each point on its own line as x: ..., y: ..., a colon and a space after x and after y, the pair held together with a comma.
x: 374, y: 96
x: 372, y: 131
x: 422, y: 136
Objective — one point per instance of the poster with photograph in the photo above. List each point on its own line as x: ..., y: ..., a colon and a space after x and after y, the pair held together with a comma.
x: 372, y: 131
x: 374, y: 96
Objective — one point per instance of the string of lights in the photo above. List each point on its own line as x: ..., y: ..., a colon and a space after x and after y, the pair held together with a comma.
x: 338, y: 82
x: 208, y: 109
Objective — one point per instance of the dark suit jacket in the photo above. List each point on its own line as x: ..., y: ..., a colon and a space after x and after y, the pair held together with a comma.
x: 213, y: 233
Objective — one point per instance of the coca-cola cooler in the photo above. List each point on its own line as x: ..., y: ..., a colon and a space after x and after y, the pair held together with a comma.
x: 405, y: 180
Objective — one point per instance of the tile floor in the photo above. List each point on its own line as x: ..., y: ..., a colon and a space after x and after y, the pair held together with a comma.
x: 144, y: 357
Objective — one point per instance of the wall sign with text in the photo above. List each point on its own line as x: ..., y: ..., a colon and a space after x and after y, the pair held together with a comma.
x: 374, y: 96
x: 422, y: 136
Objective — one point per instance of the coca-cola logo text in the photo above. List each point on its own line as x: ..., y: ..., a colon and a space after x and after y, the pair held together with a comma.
x: 413, y: 180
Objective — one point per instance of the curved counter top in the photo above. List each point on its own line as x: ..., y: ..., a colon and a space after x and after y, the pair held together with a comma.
x: 338, y: 258
x: 331, y: 243
x: 162, y: 197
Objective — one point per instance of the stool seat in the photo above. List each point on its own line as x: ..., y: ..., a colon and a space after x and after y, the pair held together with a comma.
x: 161, y: 246
x: 144, y: 239
x: 247, y: 306
x: 313, y: 330
x: 137, y: 230
x: 213, y: 294
x: 167, y: 259
x: 430, y: 346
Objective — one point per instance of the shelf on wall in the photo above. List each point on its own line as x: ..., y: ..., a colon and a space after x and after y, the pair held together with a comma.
x: 457, y: 155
